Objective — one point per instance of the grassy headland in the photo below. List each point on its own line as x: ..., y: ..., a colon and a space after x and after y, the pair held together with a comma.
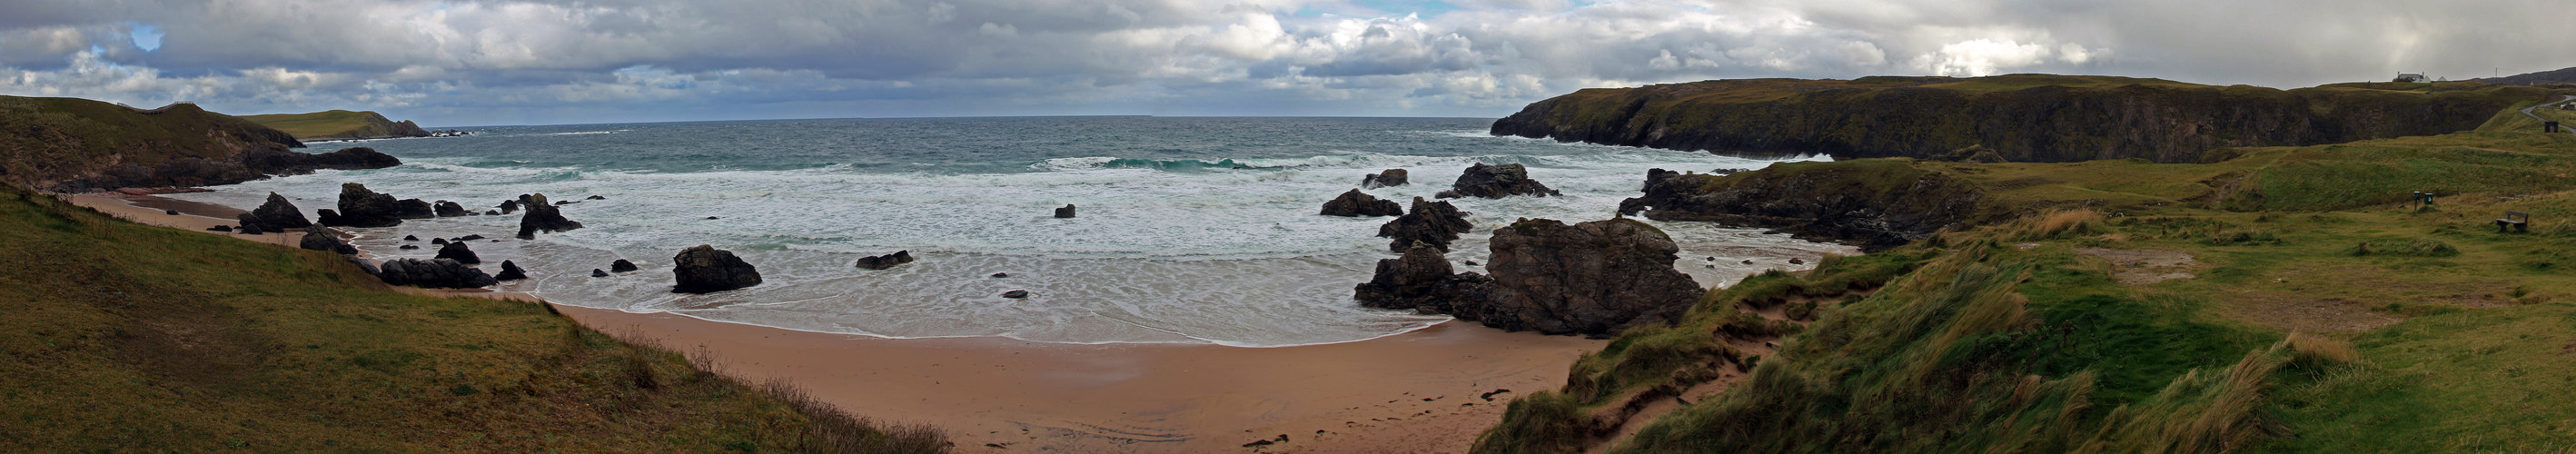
x: 338, y: 124
x: 52, y: 141
x: 124, y: 337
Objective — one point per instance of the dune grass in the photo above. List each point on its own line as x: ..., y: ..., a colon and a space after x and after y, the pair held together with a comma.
x: 123, y: 337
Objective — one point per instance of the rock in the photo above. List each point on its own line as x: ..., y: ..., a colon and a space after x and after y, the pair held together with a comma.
x: 1593, y: 278
x: 491, y: 212
x: 414, y: 209
x: 220, y: 228
x: 621, y: 265
x: 458, y: 252
x: 711, y: 218
x: 1433, y: 223
x: 705, y: 269
x: 1495, y: 182
x: 1390, y: 177
x: 595, y: 197
x: 360, y: 207
x: 249, y: 220
x: 1356, y: 203
x: 1001, y: 275
x: 510, y: 272
x: 170, y: 212
x: 1016, y: 294
x: 469, y: 238
x: 1748, y: 261
x: 410, y: 238
x: 1797, y: 262
x: 438, y: 241
x: 1421, y: 281
x: 448, y: 209
x: 595, y: 272
x: 1875, y: 204
x: 363, y: 265
x: 434, y: 273
x: 542, y: 217
x: 407, y: 247
x: 252, y: 229
x: 321, y: 239
x: 509, y: 206
x: 327, y: 217
x: 1066, y: 212
x: 886, y: 261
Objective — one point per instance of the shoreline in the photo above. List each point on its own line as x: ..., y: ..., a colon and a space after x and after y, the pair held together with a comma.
x: 1432, y: 389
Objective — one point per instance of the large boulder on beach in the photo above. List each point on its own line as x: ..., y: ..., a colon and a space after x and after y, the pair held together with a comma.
x: 511, y: 272
x: 414, y: 209
x: 434, y: 273
x: 542, y: 217
x: 885, y: 261
x: 1593, y: 278
x: 277, y: 214
x: 1432, y: 223
x: 456, y: 250
x: 1495, y: 182
x: 1390, y: 177
x: 705, y: 269
x: 621, y: 266
x: 1421, y: 281
x: 1356, y: 204
x: 446, y: 209
x: 321, y: 239
x: 360, y: 207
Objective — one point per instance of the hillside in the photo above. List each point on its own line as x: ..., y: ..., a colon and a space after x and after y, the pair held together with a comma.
x: 2550, y: 77
x: 60, y: 142
x: 2023, y: 117
x: 124, y: 337
x: 339, y: 125
x: 2275, y: 299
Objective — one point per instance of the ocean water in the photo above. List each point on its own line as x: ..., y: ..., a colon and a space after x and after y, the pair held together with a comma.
x: 1191, y: 230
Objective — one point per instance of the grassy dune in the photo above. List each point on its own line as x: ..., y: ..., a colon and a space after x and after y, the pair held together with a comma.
x: 2317, y: 312
x: 124, y: 337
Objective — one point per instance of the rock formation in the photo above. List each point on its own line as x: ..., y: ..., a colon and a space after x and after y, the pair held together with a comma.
x: 885, y: 261
x: 1875, y: 204
x: 1066, y: 212
x: 276, y: 215
x: 1421, y: 281
x: 434, y: 273
x: 1432, y: 223
x: 542, y: 217
x: 1356, y: 203
x: 457, y: 251
x: 1016, y: 294
x: 1390, y: 177
x: 595, y: 272
x: 321, y: 239
x: 705, y: 269
x: 446, y: 209
x: 360, y: 207
x: 414, y: 209
x: 621, y: 266
x: 508, y: 206
x: 1591, y: 278
x: 510, y: 272
x: 1494, y: 182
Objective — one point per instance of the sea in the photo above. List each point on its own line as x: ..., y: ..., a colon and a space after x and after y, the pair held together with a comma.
x: 1190, y: 230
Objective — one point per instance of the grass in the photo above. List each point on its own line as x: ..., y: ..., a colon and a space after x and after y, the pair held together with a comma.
x: 57, y: 139
x: 122, y: 337
x: 335, y: 124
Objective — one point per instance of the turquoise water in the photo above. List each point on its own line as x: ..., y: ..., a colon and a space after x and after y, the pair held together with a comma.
x: 1197, y: 230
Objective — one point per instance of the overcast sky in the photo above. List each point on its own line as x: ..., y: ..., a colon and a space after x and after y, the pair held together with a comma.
x: 463, y: 62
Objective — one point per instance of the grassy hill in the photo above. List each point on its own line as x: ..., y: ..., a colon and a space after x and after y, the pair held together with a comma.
x: 124, y: 337
x: 339, y: 124
x: 53, y: 141
x: 2277, y: 299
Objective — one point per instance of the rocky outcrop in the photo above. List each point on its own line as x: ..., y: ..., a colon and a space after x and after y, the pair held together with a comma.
x: 621, y: 265
x: 1875, y: 204
x: 1356, y: 204
x: 1066, y: 212
x: 1389, y: 177
x: 340, y: 125
x: 276, y: 215
x: 508, y: 206
x: 880, y: 262
x: 434, y: 273
x: 448, y: 209
x: 456, y: 250
x: 414, y: 209
x: 2022, y: 117
x: 1432, y: 223
x: 1422, y: 281
x: 322, y: 239
x: 78, y: 145
x: 360, y: 207
x: 705, y: 269
x: 542, y: 217
x: 510, y: 272
x: 1494, y: 182
x: 1591, y: 278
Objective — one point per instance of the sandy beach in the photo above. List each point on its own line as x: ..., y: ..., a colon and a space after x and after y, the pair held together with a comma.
x: 1431, y: 390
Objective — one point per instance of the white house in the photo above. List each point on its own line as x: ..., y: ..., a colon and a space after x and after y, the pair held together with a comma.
x: 2411, y: 77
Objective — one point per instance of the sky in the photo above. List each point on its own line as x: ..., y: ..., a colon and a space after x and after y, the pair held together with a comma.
x: 506, y: 62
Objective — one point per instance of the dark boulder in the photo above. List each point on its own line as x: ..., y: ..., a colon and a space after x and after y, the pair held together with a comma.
x: 411, y: 238
x: 509, y: 206
x: 438, y: 241
x: 253, y: 229
x: 542, y: 217
x: 1356, y: 203
x: 491, y: 212
x: 1874, y: 204
x: 446, y: 209
x: 595, y: 272
x: 414, y: 209
x: 1495, y: 182
x: 510, y: 272
x: 1432, y: 223
x: 458, y: 252
x: 705, y: 269
x: 220, y: 228
x: 885, y: 261
x: 406, y: 247
x: 1421, y: 281
x: 621, y: 265
x: 1016, y: 294
x: 469, y: 238
x: 360, y: 207
x: 1593, y: 278
x: 595, y: 197
x: 434, y: 273
x: 1065, y: 212
x: 277, y: 214
x: 321, y: 239
x: 1390, y: 177
x: 170, y: 212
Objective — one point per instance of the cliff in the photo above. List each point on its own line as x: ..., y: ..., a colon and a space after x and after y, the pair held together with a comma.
x: 339, y: 125
x: 66, y: 144
x: 2023, y: 117
x: 1876, y: 204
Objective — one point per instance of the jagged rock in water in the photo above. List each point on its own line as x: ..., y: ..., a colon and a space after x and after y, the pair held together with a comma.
x: 456, y: 250
x: 542, y: 217
x: 1065, y: 212
x: 621, y: 266
x: 414, y: 209
x: 491, y: 212
x: 705, y: 269
x: 438, y: 241
x: 469, y: 238
x: 886, y: 261
x: 1390, y: 177
x: 1432, y: 223
x: 434, y: 273
x: 448, y: 209
x: 1592, y: 278
x: 1495, y: 182
x: 1421, y: 281
x: 360, y: 207
x: 595, y: 272
x: 510, y: 272
x: 407, y: 247
x: 510, y: 206
x: 321, y: 239
x: 596, y: 197
x: 277, y: 214
x: 1356, y: 203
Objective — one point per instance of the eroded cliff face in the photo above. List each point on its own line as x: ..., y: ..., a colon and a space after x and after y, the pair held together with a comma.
x: 1874, y: 204
x: 2030, y: 118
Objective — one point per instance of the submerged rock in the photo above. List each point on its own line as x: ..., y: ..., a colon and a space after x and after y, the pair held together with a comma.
x: 510, y: 272
x: 621, y: 266
x: 1390, y: 177
x: 1421, y: 281
x: 509, y: 206
x: 360, y: 207
x: 542, y: 217
x: 1432, y: 223
x: 705, y: 269
x: 1356, y: 203
x: 411, y: 238
x: 1494, y: 182
x: 434, y: 273
x: 458, y: 252
x: 885, y: 261
x: 1591, y: 278
x: 1066, y: 212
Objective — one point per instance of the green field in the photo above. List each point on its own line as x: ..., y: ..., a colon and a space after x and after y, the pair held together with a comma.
x: 335, y: 124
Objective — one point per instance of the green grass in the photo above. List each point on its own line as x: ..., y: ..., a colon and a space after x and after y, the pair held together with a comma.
x: 122, y: 337
x: 52, y: 140
x: 334, y: 124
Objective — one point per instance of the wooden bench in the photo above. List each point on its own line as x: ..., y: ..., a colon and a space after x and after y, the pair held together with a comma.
x: 2513, y: 221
